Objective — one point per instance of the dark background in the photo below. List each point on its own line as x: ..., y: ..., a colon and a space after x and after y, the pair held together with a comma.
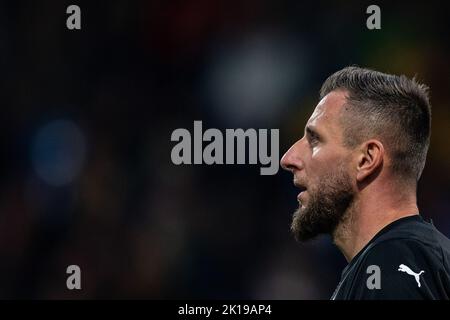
x: 86, y: 117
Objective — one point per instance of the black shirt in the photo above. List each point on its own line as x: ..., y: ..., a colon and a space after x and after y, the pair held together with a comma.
x: 408, y: 259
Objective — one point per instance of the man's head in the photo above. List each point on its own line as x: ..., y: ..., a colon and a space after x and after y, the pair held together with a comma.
x: 365, y: 124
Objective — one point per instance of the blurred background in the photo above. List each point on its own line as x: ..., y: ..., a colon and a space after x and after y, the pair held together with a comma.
x: 86, y: 117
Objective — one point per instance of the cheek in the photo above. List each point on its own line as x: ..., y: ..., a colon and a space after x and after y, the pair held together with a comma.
x: 320, y: 160
x: 316, y: 152
x: 323, y: 162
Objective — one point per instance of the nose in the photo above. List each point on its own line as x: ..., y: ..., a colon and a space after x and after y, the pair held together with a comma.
x: 291, y: 160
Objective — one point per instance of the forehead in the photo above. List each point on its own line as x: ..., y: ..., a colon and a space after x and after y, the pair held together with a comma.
x: 326, y: 114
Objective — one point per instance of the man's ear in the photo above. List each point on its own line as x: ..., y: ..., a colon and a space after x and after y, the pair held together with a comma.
x: 370, y: 159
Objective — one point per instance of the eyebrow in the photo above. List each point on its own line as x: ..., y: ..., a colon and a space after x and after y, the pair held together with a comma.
x: 311, y: 132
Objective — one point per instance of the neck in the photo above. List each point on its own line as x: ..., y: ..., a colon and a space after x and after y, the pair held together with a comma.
x: 365, y: 218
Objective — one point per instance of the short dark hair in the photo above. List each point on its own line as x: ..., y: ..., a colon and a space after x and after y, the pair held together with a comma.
x: 394, y: 109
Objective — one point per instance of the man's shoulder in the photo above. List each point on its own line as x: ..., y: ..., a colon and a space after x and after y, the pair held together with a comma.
x: 405, y: 268
x: 414, y: 240
x: 392, y: 249
x: 407, y: 250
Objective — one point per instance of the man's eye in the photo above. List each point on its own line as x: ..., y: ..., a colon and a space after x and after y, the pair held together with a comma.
x: 313, y: 141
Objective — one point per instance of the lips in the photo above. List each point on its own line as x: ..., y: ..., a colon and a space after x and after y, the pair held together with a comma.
x: 299, y: 196
x: 302, y: 189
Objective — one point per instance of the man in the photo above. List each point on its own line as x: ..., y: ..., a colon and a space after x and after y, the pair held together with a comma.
x: 357, y: 168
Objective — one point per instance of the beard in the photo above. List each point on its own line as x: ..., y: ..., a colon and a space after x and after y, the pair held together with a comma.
x: 326, y: 208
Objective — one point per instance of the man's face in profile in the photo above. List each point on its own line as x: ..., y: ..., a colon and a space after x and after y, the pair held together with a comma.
x: 320, y: 164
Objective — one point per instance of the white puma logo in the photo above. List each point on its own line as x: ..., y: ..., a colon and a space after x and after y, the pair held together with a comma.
x: 406, y: 269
